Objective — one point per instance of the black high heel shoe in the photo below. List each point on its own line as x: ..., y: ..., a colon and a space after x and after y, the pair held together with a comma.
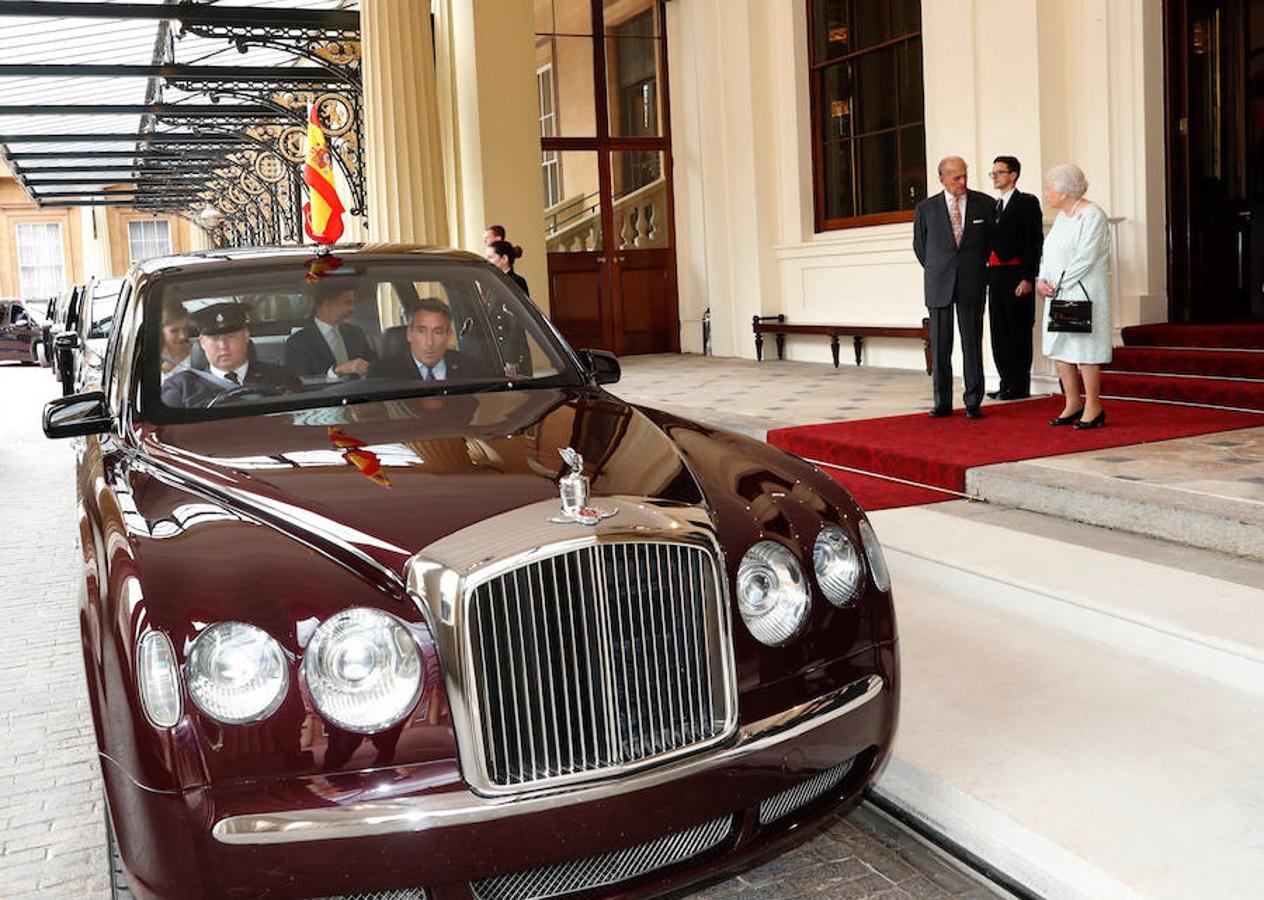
x: 1067, y: 420
x: 1097, y: 421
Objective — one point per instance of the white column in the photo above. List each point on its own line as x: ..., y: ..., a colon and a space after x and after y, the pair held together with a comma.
x: 403, y: 155
x: 96, y: 243
x: 491, y: 128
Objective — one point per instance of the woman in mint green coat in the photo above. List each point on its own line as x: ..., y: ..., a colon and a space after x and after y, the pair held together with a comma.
x: 1076, y: 266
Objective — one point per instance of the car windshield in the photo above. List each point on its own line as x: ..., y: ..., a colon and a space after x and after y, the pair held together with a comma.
x: 269, y: 337
x: 105, y: 296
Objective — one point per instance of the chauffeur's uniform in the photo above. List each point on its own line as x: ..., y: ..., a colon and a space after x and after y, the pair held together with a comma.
x: 198, y: 385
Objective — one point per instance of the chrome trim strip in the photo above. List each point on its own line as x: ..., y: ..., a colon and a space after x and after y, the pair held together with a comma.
x: 466, y: 808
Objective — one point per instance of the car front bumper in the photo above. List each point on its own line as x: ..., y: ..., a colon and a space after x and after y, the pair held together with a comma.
x: 442, y: 838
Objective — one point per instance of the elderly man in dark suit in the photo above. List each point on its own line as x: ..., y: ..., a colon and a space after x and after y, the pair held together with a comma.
x: 950, y: 237
x: 1017, y: 239
x: 328, y: 344
x: 224, y: 337
x: 428, y: 357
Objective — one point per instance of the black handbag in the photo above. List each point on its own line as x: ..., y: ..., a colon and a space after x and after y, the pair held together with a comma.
x: 1075, y: 316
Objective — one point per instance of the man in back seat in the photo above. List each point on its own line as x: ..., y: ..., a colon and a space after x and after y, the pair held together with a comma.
x: 328, y: 344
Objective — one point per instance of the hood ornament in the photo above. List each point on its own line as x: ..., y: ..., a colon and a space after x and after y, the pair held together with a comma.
x: 574, y: 488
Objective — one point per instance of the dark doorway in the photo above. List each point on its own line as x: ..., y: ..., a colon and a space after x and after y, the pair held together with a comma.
x: 1215, y: 140
x: 605, y: 136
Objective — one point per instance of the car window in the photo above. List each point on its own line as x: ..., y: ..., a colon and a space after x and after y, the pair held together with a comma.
x: 267, y: 337
x: 104, y: 301
x: 109, y: 377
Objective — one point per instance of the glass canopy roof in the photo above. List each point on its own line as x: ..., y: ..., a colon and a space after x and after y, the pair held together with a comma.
x: 60, y: 74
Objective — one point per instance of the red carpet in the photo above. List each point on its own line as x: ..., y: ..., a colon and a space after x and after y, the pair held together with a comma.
x: 1207, y: 391
x: 878, y: 493
x: 1243, y: 336
x: 1226, y: 362
x: 1207, y: 363
x: 937, y: 452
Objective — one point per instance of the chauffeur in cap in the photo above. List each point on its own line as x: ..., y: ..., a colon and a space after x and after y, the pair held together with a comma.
x: 224, y: 337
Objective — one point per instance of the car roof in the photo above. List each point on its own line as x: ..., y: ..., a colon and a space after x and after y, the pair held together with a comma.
x: 279, y: 254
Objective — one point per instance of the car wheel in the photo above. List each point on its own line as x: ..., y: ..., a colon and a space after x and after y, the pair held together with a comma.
x: 118, y: 881
x: 33, y: 359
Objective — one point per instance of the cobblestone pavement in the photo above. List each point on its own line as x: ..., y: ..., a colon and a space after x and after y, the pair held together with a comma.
x: 51, y: 814
x: 51, y: 832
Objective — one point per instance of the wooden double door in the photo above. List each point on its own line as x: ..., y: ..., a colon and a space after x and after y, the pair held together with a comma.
x: 1215, y: 143
x: 606, y: 169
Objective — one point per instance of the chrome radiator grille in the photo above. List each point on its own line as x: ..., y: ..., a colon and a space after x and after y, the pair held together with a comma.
x: 596, y: 657
x: 606, y: 869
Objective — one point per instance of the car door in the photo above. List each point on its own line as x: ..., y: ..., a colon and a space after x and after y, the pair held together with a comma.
x: 8, y: 343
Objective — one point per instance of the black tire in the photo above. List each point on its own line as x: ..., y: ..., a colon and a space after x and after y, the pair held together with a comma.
x: 118, y: 880
x: 34, y: 357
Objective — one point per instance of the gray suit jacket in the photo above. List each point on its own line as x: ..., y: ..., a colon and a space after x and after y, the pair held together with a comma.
x: 951, y: 272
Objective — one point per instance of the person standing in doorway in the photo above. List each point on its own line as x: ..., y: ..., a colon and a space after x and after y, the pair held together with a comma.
x: 951, y: 234
x: 1013, y: 263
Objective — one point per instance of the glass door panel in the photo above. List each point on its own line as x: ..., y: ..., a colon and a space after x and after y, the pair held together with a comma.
x: 640, y: 198
x: 572, y: 223
x: 571, y: 98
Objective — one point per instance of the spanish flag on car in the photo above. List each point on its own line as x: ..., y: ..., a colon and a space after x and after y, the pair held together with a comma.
x: 322, y: 216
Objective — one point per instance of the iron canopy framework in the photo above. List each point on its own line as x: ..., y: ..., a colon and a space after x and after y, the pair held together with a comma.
x: 192, y: 108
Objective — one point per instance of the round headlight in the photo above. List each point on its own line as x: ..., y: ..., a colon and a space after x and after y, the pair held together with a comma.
x: 772, y: 594
x: 837, y: 565
x: 873, y: 553
x: 237, y: 673
x: 363, y: 670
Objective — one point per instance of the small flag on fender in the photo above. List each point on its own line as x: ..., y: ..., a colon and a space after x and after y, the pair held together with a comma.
x: 322, y: 215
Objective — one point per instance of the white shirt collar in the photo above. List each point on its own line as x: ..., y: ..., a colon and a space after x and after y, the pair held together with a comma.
x: 326, y: 330
x: 240, y: 370
x: 1005, y: 197
x: 950, y: 199
x: 439, y: 371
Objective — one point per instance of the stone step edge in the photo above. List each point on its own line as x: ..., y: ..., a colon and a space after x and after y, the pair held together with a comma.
x: 1039, y: 864
x: 1222, y: 524
x: 1204, y: 656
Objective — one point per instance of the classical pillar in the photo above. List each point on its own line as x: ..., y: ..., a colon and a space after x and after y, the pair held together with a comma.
x: 403, y: 155
x: 489, y: 104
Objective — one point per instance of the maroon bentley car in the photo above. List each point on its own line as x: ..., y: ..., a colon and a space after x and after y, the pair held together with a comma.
x: 385, y: 595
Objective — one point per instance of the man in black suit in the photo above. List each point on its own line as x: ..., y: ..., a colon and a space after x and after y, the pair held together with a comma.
x: 329, y: 345
x: 1017, y: 238
x: 950, y: 238
x: 427, y: 357
x: 224, y: 336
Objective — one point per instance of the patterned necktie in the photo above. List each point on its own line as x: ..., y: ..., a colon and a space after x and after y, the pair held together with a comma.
x: 232, y: 376
x: 339, y: 346
x: 954, y: 215
x: 427, y: 374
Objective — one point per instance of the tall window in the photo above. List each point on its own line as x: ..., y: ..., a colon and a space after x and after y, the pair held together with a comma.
x: 41, y: 265
x: 869, y: 139
x: 148, y: 238
x: 548, y: 128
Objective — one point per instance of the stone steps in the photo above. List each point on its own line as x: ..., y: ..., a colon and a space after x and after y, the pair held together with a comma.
x: 1211, y: 521
x: 1082, y: 717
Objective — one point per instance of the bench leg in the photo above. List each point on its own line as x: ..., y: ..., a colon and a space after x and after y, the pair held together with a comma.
x: 834, y: 348
x: 759, y: 347
x: 781, y: 346
x: 858, y: 344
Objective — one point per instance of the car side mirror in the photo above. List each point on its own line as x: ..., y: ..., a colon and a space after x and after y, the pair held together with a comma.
x: 602, y: 365
x: 77, y: 415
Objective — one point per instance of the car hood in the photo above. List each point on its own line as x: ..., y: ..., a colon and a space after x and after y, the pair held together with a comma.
x: 388, y: 478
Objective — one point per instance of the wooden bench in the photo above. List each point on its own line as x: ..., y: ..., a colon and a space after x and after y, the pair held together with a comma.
x: 776, y: 325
